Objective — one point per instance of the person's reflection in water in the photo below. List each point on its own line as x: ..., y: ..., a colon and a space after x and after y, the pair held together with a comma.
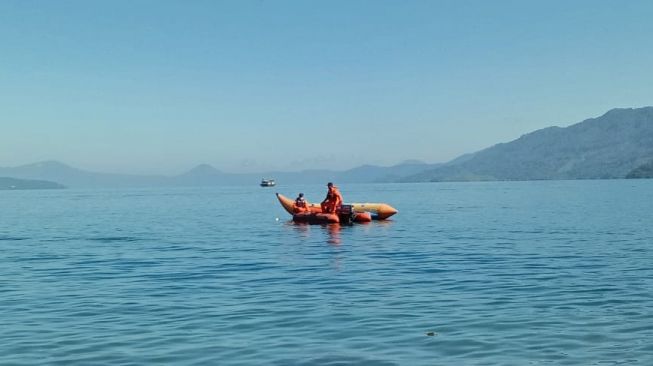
x: 303, y: 229
x: 333, y: 230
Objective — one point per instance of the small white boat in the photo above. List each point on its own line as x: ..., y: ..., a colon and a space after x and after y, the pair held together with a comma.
x: 268, y: 183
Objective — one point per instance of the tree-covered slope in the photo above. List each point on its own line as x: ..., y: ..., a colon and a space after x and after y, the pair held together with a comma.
x: 609, y: 146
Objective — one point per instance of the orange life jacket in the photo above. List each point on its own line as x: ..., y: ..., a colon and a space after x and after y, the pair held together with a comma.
x: 334, y: 196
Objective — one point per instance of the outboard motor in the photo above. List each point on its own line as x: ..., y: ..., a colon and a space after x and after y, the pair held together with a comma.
x: 346, y: 214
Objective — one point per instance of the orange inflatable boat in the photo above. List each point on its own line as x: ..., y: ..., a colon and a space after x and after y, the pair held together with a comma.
x: 352, y: 212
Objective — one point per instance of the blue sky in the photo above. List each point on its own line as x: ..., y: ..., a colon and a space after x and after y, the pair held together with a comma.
x: 248, y: 86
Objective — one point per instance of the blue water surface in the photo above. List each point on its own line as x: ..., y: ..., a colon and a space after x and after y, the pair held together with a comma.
x: 502, y: 273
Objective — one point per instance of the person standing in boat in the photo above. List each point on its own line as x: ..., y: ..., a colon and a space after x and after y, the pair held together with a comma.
x: 333, y: 199
x: 301, y: 205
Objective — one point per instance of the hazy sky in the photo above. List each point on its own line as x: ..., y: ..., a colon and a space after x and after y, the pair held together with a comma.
x: 160, y: 86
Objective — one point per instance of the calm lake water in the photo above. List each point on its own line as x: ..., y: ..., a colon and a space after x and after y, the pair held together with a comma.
x: 509, y: 273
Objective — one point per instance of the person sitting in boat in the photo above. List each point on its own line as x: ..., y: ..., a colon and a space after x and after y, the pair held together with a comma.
x: 301, y: 205
x: 333, y: 199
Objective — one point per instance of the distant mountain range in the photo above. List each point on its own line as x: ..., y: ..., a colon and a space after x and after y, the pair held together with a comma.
x: 13, y: 183
x: 618, y: 144
x: 206, y: 175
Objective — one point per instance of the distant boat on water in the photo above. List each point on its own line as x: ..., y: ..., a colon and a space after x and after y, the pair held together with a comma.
x: 268, y: 183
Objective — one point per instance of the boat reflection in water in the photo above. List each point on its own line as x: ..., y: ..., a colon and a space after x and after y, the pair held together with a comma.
x: 332, y: 233
x: 307, y: 231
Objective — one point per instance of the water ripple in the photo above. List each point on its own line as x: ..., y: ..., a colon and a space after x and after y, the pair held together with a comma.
x: 494, y: 273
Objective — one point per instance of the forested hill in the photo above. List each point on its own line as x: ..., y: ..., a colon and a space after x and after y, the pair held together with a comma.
x: 609, y: 146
